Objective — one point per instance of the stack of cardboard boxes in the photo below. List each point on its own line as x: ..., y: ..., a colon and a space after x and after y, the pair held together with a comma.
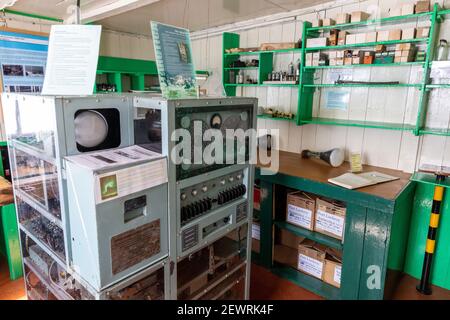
x: 324, y: 216
x: 410, y: 8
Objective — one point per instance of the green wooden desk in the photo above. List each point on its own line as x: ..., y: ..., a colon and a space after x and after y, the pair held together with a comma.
x: 376, y: 227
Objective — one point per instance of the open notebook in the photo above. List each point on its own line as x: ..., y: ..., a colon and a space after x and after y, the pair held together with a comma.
x: 355, y: 181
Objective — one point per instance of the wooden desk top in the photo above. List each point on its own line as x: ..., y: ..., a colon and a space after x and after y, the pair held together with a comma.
x: 6, y: 192
x: 292, y: 164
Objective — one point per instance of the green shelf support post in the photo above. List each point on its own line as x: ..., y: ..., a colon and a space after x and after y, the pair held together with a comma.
x: 305, y: 95
x: 138, y: 82
x: 424, y: 96
x: 265, y: 66
x: 266, y: 222
x: 230, y: 40
x: 10, y: 233
x: 116, y: 79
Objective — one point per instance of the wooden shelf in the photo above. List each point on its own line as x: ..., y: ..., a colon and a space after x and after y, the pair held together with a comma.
x: 382, y: 21
x: 368, y: 44
x: 311, y: 235
x: 359, y: 124
x: 308, y: 282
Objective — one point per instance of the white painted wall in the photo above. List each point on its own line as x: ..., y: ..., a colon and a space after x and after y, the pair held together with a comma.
x: 385, y: 148
x: 115, y: 44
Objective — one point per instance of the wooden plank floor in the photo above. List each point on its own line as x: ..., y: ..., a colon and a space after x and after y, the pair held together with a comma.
x: 264, y: 286
x: 10, y: 290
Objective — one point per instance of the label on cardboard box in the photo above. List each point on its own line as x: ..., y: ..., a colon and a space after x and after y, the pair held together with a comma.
x: 310, y: 265
x: 256, y: 231
x: 330, y: 223
x: 299, y: 216
x: 337, y: 274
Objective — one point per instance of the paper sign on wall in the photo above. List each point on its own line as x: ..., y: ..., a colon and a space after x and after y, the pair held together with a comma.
x: 72, y: 60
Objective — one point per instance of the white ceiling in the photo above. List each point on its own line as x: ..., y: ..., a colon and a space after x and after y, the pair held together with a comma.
x: 192, y: 14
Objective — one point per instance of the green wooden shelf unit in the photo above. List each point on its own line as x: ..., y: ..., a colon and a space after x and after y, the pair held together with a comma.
x: 307, y: 86
x: 116, y: 68
x: 230, y: 41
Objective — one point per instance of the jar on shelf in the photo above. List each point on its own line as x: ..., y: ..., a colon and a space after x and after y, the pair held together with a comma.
x: 442, y: 50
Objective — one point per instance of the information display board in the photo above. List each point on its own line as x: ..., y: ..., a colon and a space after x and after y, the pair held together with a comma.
x: 23, y: 60
x: 173, y: 53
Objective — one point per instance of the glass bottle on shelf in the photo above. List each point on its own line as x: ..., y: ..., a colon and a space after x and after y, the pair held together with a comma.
x: 442, y: 50
x: 297, y: 72
x: 241, y: 77
x: 291, y: 69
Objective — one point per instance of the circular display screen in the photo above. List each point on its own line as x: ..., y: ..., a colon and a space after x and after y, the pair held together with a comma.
x: 91, y: 128
x: 216, y: 121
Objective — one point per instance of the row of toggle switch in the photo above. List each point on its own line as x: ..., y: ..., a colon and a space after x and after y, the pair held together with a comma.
x: 231, y: 194
x: 197, y: 208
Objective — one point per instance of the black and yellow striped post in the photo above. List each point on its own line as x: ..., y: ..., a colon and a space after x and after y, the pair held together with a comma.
x: 424, y: 286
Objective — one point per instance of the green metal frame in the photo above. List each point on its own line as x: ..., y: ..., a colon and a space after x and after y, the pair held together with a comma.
x: 376, y: 234
x: 231, y: 40
x: 137, y: 70
x: 307, y: 87
x: 32, y: 15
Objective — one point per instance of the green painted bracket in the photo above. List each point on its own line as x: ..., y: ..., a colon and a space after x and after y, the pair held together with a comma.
x: 429, y: 179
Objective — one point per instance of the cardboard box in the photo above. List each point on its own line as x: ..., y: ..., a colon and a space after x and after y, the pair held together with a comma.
x: 328, y: 22
x: 348, y: 61
x: 342, y: 37
x: 423, y: 32
x: 360, y: 38
x: 380, y: 48
x: 371, y: 37
x: 383, y: 35
x: 316, y: 42
x: 398, y: 53
x: 409, y: 33
x: 309, y: 59
x: 340, y: 54
x: 350, y: 39
x: 408, y: 9
x: 333, y: 40
x: 300, y: 210
x: 404, y: 46
x: 343, y: 18
x: 340, y: 61
x: 369, y: 59
x: 289, y: 239
x: 278, y: 46
x: 359, y: 16
x: 333, y: 61
x: 423, y: 6
x: 317, y: 23
x: 398, y: 60
x: 395, y: 34
x: 395, y: 12
x: 256, y: 230
x: 332, y: 268
x: 332, y: 54
x: 330, y: 218
x: 311, y: 258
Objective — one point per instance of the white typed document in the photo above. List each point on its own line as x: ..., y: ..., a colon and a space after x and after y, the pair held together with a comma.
x: 72, y: 60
